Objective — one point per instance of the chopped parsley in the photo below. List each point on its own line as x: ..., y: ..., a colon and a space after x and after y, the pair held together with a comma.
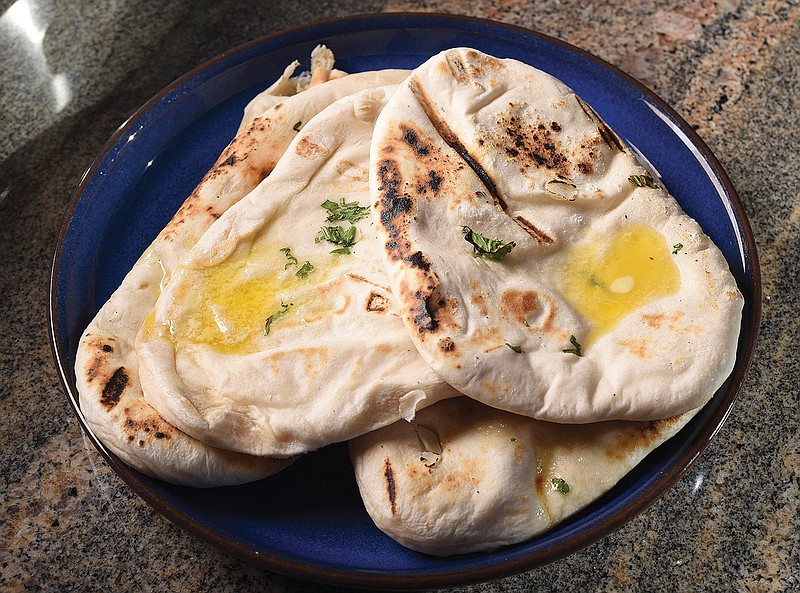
x: 560, y: 485
x: 576, y: 347
x: 485, y: 247
x: 350, y: 211
x: 595, y: 281
x: 287, y: 251
x: 304, y: 270
x: 517, y: 349
x: 676, y: 248
x: 643, y: 181
x: 338, y: 235
x: 275, y: 316
x: 296, y: 127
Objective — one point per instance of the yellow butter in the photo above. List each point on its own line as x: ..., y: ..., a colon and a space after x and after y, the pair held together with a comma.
x: 607, y: 278
x: 227, y: 304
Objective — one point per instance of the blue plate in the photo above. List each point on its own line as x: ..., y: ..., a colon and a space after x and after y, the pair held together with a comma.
x: 308, y: 521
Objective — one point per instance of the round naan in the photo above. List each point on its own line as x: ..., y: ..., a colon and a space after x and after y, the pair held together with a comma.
x: 539, y: 268
x: 463, y: 477
x: 106, y: 367
x: 278, y: 335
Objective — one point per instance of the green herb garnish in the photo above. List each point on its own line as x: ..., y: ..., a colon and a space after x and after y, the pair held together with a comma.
x: 338, y: 235
x: 560, y: 485
x: 350, y: 211
x: 287, y: 251
x: 595, y: 281
x: 304, y: 270
x: 296, y: 127
x: 485, y: 247
x: 676, y: 248
x: 274, y: 317
x: 517, y: 349
x: 576, y: 350
x: 643, y: 181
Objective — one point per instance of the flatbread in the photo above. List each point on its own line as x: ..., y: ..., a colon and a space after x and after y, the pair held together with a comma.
x: 106, y: 366
x: 269, y: 342
x: 288, y: 84
x: 463, y: 477
x: 610, y: 303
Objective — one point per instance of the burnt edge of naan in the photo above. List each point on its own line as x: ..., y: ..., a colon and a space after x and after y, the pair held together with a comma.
x: 138, y: 422
x: 233, y: 160
x: 98, y: 370
x: 396, y: 210
x: 648, y: 433
x: 428, y: 309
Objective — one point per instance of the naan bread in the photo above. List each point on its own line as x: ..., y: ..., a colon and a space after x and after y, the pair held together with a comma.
x: 463, y: 477
x: 321, y: 70
x: 610, y: 302
x: 269, y: 342
x: 106, y: 366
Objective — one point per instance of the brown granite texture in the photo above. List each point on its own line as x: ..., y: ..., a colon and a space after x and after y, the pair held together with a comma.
x: 77, y: 70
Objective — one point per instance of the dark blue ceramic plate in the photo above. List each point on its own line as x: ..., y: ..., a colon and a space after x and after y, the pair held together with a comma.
x: 308, y: 521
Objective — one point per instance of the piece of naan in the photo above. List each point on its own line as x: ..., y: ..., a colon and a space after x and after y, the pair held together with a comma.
x: 463, y: 477
x: 289, y: 84
x: 106, y: 367
x: 538, y: 266
x: 278, y: 335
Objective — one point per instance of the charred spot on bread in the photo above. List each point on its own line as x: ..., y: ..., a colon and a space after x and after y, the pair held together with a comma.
x: 391, y: 485
x: 114, y: 387
x: 446, y: 344
x: 418, y: 260
x: 411, y: 137
x: 377, y: 303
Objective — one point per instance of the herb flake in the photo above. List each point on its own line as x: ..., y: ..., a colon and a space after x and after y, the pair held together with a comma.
x: 560, y: 485
x: 304, y: 270
x: 287, y: 251
x: 275, y: 316
x: 338, y: 235
x: 517, y: 349
x: 576, y: 347
x: 676, y: 248
x: 349, y: 211
x: 296, y: 127
x: 485, y: 247
x: 643, y: 181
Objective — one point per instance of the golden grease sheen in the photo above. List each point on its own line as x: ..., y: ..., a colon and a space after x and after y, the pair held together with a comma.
x: 607, y: 278
x: 226, y: 305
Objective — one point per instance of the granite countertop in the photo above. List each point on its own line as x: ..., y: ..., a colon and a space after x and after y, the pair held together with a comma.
x: 72, y: 72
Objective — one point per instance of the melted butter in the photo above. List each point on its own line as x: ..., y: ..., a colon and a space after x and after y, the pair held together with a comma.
x: 606, y: 279
x: 227, y: 304
x: 149, y: 325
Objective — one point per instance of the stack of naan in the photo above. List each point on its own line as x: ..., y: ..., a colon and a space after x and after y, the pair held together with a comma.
x: 461, y: 270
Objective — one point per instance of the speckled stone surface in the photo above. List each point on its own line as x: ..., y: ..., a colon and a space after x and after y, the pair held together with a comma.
x: 72, y: 72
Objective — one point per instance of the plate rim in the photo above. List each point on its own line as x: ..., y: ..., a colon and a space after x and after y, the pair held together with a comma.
x: 420, y: 578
